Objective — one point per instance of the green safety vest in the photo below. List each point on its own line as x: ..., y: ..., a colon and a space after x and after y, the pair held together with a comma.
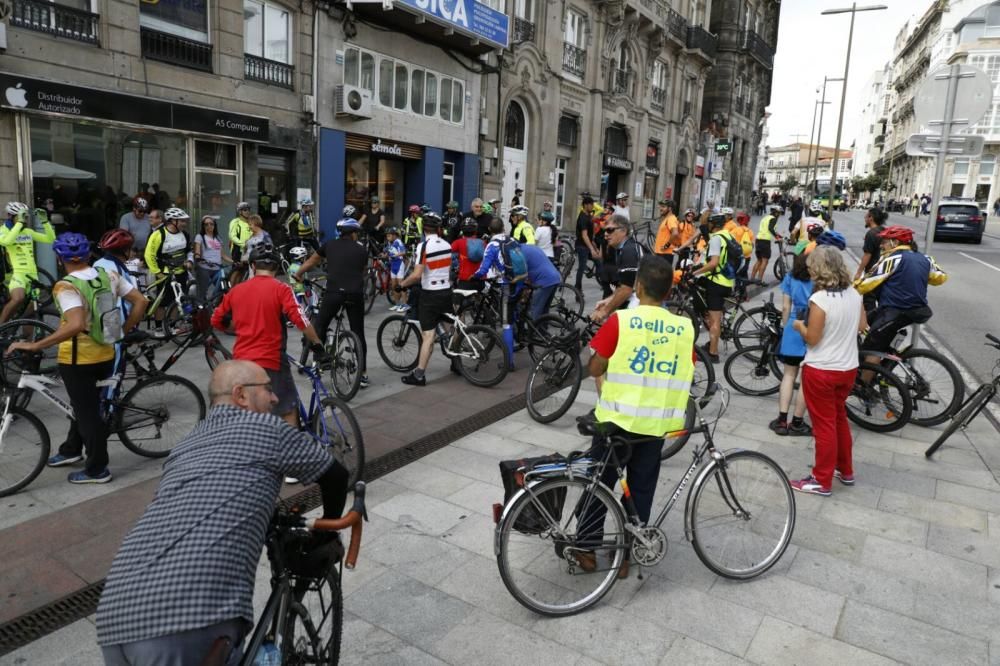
x: 717, y: 276
x: 764, y: 232
x: 649, y: 376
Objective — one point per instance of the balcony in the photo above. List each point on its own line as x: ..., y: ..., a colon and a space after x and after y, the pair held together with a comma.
x: 621, y: 82
x: 56, y: 20
x: 176, y: 50
x: 267, y: 71
x: 658, y: 100
x: 879, y: 140
x: 760, y: 50
x: 677, y: 27
x: 524, y: 30
x: 699, y: 39
x: 657, y: 9
x: 574, y: 60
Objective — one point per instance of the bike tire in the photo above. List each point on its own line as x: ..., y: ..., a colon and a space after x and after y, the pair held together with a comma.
x: 750, y: 328
x: 753, y: 371
x: 671, y: 445
x: 780, y: 269
x: 371, y: 290
x: 24, y: 450
x: 966, y: 413
x: 684, y: 309
x: 885, y: 395
x: 518, y: 551
x: 756, y: 518
x: 569, y: 297
x: 398, y: 341
x: 216, y: 353
x: 339, y: 429
x: 155, y: 401
x: 11, y: 367
x: 482, y: 356
x: 553, y: 384
x: 704, y: 374
x: 302, y: 641
x: 345, y: 376
x: 934, y: 401
x: 547, y: 332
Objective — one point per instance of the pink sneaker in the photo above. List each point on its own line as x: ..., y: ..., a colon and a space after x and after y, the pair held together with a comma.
x: 846, y: 479
x: 811, y: 486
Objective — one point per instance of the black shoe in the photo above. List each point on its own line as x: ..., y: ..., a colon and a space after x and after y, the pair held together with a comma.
x: 714, y: 358
x: 412, y: 380
x: 779, y: 427
x: 456, y: 367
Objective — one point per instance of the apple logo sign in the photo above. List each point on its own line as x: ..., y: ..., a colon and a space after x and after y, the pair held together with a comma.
x: 17, y: 96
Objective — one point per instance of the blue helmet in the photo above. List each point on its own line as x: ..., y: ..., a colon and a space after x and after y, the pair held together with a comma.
x: 834, y: 238
x: 348, y: 224
x: 71, y: 245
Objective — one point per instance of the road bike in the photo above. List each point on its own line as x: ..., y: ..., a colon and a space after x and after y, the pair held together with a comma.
x: 151, y: 418
x: 561, y: 540
x: 975, y: 403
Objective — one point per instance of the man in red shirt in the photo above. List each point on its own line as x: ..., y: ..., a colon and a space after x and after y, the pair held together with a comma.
x: 259, y: 307
x: 466, y: 266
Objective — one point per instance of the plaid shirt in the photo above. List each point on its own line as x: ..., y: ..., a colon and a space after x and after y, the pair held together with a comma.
x: 191, y: 559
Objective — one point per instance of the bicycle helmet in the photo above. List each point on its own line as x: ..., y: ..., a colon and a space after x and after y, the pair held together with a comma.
x: 814, y: 228
x: 834, y: 238
x: 716, y: 220
x: 298, y: 253
x: 263, y: 253
x: 488, y: 208
x: 176, y: 214
x: 727, y: 211
x: 15, y: 208
x: 305, y: 202
x: 432, y: 220
x: 519, y: 210
x: 348, y: 224
x: 116, y: 239
x: 451, y: 204
x: 413, y: 209
x: 898, y: 233
x: 424, y: 208
x: 469, y: 226
x: 71, y: 245
x: 348, y: 211
x: 242, y: 206
x: 140, y: 203
x: 621, y: 195
x: 547, y: 216
x: 742, y: 218
x: 392, y: 230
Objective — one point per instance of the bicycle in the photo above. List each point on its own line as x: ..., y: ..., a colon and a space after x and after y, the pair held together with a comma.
x: 149, y: 420
x: 781, y: 266
x: 330, y: 422
x: 344, y: 346
x: 199, y: 332
x: 38, y: 302
x: 739, y: 517
x: 971, y: 407
x: 377, y: 281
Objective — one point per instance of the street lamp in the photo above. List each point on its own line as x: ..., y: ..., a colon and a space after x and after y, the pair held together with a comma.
x: 819, y: 135
x: 852, y: 10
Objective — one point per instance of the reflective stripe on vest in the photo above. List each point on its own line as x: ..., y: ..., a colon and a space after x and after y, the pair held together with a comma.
x: 764, y: 231
x: 649, y: 376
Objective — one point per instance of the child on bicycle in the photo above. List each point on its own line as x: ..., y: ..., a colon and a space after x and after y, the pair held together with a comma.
x: 396, y: 251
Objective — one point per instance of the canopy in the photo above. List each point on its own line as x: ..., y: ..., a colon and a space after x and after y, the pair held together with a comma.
x: 46, y: 169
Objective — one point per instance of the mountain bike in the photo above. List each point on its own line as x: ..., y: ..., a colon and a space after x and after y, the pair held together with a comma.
x: 562, y: 538
x: 342, y: 344
x: 377, y: 281
x: 141, y: 357
x: 38, y: 303
x: 975, y: 404
x: 781, y: 263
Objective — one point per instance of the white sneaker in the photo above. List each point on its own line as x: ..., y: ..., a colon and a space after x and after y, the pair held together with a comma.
x: 291, y: 480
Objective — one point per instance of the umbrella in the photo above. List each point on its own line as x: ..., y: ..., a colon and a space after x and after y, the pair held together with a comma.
x: 46, y: 169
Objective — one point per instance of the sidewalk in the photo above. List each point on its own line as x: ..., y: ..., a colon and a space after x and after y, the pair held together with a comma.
x: 903, y: 567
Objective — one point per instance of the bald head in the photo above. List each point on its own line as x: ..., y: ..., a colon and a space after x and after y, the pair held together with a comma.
x: 241, y: 384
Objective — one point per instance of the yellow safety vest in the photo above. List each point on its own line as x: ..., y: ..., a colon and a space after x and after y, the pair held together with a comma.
x: 764, y: 231
x: 649, y: 375
x: 717, y: 275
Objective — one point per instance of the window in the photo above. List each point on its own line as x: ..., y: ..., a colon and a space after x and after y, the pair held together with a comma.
x: 962, y: 167
x: 661, y: 76
x: 457, y: 101
x: 445, y: 97
x: 524, y: 9
x: 385, y: 82
x: 431, y: 96
x: 417, y: 91
x: 359, y: 69
x: 986, y: 165
x: 575, y: 28
x: 514, y: 126
x: 401, y: 82
x: 266, y: 31
x: 560, y: 202
x: 185, y: 19
x: 567, y: 131
x: 448, y: 185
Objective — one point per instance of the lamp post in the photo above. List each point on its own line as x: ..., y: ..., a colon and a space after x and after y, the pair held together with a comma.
x: 852, y: 10
x: 812, y: 141
x: 819, y: 134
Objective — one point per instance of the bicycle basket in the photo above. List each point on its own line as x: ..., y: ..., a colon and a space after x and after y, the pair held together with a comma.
x: 312, y: 555
x: 531, y: 521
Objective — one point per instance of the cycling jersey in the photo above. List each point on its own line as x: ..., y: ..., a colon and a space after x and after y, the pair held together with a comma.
x: 524, y: 233
x: 901, y: 278
x: 19, y: 244
x: 397, y: 252
x: 435, y: 254
x: 166, y: 251
x: 300, y: 225
x: 239, y: 232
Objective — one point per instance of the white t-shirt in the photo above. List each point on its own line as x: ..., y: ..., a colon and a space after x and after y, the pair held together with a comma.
x: 623, y: 211
x: 543, y: 239
x: 838, y: 348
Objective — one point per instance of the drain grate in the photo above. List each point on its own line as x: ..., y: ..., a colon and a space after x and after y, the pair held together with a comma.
x: 49, y: 618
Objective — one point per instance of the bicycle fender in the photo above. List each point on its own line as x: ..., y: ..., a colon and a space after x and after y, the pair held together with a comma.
x: 698, y: 479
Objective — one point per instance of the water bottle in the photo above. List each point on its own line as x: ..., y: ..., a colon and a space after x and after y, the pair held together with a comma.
x: 268, y: 655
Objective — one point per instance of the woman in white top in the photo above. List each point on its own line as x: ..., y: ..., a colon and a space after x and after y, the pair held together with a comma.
x: 208, y: 257
x: 830, y: 329
x: 543, y: 234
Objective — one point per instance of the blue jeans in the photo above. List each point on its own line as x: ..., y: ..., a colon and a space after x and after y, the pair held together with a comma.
x: 582, y: 257
x: 541, y: 299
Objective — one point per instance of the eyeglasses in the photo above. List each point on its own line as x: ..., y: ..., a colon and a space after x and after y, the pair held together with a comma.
x: 611, y: 229
x: 267, y: 386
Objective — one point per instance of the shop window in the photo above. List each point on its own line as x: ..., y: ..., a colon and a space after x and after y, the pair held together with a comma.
x: 514, y: 126
x: 214, y: 155
x: 567, y: 131
x: 616, y: 141
x: 267, y: 31
x: 400, y: 87
x: 430, y: 95
x: 417, y: 91
x: 448, y: 185
x: 358, y: 183
x: 187, y: 19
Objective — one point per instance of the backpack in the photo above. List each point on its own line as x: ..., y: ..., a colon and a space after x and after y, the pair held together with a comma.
x: 513, y: 259
x: 164, y: 259
x: 732, y: 252
x: 746, y: 241
x: 105, y: 316
x: 475, y: 248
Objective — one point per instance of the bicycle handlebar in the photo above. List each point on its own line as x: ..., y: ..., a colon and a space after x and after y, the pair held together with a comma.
x: 995, y: 340
x: 352, y: 519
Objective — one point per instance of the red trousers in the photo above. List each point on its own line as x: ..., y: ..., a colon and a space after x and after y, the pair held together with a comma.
x: 826, y: 393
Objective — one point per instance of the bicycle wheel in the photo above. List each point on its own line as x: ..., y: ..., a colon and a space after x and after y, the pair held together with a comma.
x: 569, y: 297
x: 671, y: 445
x: 547, y: 332
x: 315, y: 622
x: 216, y: 353
x: 975, y: 404
x: 541, y: 536
x: 780, y: 268
x: 339, y: 429
x: 482, y: 356
x: 371, y: 290
x: 156, y: 414
x: 935, y: 385
x: 346, y: 372
x: 553, y: 384
x: 24, y: 448
x: 750, y: 328
x: 742, y: 514
x: 398, y: 342
x: 704, y: 374
x: 176, y: 324
x: 880, y: 405
x: 753, y: 371
x: 684, y: 309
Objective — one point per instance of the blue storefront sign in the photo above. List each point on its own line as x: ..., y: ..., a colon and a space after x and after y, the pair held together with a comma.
x: 467, y: 16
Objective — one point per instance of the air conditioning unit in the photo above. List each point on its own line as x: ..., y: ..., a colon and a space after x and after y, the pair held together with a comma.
x: 352, y: 101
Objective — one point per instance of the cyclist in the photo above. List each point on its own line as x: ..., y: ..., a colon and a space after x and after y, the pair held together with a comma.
x: 482, y: 217
x: 166, y: 253
x: 135, y: 223
x: 208, y: 257
x: 413, y: 227
x: 621, y: 207
x: 520, y: 229
x: 584, y: 245
x: 259, y: 307
x: 115, y: 245
x: 396, y: 252
x: 373, y: 221
x: 239, y: 233
x: 766, y: 233
x: 296, y: 257
x: 624, y: 254
x: 346, y: 265
x: 744, y: 236
x: 18, y: 240
x: 89, y: 323
x: 470, y: 250
x: 452, y: 221
x: 544, y: 278
x: 871, y: 250
x: 730, y: 225
x: 184, y: 576
x: 544, y: 234
x: 713, y: 284
x: 668, y: 236
x: 301, y: 225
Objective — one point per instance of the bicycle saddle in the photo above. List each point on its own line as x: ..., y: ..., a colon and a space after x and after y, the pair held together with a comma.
x: 465, y: 292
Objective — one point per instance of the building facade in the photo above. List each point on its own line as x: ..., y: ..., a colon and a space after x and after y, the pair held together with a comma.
x: 804, y: 162
x: 871, y: 138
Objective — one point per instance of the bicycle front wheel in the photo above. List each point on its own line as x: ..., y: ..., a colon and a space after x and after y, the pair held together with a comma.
x: 704, y: 373
x: 338, y: 428
x: 966, y: 413
x: 750, y: 328
x: 24, y: 448
x: 398, y: 343
x: 553, y: 384
x: 753, y: 371
x: 482, y: 356
x: 346, y: 372
x: 780, y: 268
x: 935, y: 385
x: 157, y: 414
x: 371, y: 290
x: 881, y: 404
x: 547, y: 332
x: 559, y: 546
x: 569, y: 297
x: 742, y: 514
x: 315, y: 622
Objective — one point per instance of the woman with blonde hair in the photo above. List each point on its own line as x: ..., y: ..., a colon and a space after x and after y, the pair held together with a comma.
x: 830, y: 329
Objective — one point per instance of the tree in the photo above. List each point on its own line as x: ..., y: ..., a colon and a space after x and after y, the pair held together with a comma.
x: 788, y: 184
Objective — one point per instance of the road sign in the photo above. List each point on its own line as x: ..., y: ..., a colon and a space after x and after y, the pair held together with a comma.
x: 723, y: 146
x: 958, y: 145
x: 974, y: 96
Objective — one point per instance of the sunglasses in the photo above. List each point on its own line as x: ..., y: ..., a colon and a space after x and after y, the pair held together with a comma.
x: 611, y: 229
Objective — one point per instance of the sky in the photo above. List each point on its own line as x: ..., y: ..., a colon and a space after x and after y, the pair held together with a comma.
x: 811, y: 46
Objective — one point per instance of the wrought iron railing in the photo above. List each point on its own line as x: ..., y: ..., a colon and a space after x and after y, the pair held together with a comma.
x: 658, y: 100
x: 268, y: 71
x: 755, y: 45
x: 176, y: 50
x: 574, y: 59
x: 621, y: 82
x: 54, y: 19
x: 524, y: 30
x: 702, y: 40
x: 677, y: 26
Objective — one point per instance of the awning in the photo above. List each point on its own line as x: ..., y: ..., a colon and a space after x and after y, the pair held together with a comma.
x: 46, y: 169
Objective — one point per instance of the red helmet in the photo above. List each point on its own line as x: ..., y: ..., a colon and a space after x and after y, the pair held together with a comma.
x: 414, y: 208
x: 116, y: 239
x: 742, y: 218
x: 897, y: 232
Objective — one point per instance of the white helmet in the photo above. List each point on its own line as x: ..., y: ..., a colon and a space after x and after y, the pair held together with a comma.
x: 241, y: 206
x: 176, y: 214
x: 298, y: 253
x: 349, y: 211
x: 727, y: 211
x: 15, y: 208
x: 306, y: 202
x: 621, y: 195
x: 520, y: 210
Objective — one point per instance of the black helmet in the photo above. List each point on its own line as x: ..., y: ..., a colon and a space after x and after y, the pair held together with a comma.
x: 264, y: 253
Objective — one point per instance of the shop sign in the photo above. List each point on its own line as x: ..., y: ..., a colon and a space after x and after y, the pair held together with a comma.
x: 615, y: 162
x: 22, y: 93
x: 474, y: 19
x: 652, y: 171
x: 387, y: 149
x: 723, y: 146
x: 699, y: 166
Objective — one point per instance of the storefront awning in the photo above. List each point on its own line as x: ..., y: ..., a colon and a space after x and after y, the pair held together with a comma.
x: 47, y: 169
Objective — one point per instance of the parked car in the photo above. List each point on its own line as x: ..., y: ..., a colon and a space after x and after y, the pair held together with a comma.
x: 959, y: 219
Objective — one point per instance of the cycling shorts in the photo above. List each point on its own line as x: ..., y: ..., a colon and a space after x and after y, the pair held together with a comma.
x: 21, y: 280
x: 399, y: 273
x: 762, y: 249
x: 887, y: 322
x: 712, y: 296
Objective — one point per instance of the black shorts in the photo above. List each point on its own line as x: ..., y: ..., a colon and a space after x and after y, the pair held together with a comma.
x: 791, y: 360
x: 713, y: 296
x: 887, y: 322
x: 283, y: 386
x: 762, y: 249
x: 432, y: 307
